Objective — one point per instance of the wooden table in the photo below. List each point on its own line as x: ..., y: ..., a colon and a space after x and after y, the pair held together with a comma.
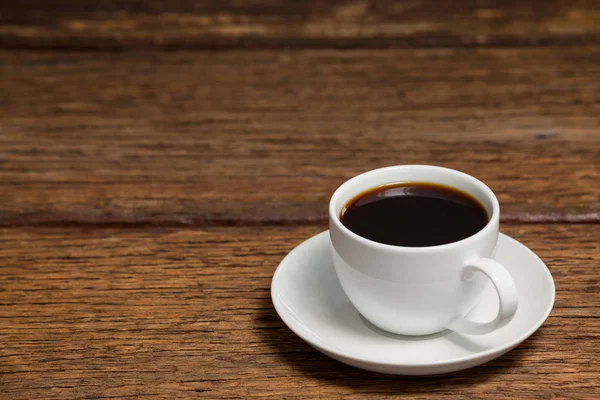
x: 158, y: 160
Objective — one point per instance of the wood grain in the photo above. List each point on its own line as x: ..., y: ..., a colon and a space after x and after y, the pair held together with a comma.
x: 185, y: 24
x: 167, y: 313
x: 196, y: 139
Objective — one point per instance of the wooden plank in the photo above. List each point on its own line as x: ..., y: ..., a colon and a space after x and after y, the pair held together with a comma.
x: 167, y: 313
x: 188, y: 24
x: 266, y: 137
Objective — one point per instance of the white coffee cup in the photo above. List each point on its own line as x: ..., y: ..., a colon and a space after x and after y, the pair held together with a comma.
x: 421, y: 290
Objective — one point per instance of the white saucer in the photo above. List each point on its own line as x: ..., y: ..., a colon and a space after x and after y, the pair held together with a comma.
x: 310, y: 301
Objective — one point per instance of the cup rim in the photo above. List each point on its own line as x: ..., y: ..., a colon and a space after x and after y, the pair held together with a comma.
x: 492, y: 222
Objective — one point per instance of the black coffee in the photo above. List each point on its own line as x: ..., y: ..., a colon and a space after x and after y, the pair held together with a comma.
x: 414, y: 214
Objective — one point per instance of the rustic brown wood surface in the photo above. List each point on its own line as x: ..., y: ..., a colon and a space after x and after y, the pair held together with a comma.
x: 266, y: 137
x: 147, y: 195
x: 169, y: 313
x: 88, y: 24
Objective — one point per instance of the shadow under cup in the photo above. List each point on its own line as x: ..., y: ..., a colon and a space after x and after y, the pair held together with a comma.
x: 411, y: 290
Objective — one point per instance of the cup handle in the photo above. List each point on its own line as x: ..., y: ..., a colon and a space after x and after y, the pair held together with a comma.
x: 507, y: 296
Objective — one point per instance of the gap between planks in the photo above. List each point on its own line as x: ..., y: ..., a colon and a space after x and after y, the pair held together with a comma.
x: 200, y: 221
x: 287, y: 44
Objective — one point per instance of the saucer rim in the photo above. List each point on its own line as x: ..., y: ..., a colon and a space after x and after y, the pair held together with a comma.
x: 323, y: 346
